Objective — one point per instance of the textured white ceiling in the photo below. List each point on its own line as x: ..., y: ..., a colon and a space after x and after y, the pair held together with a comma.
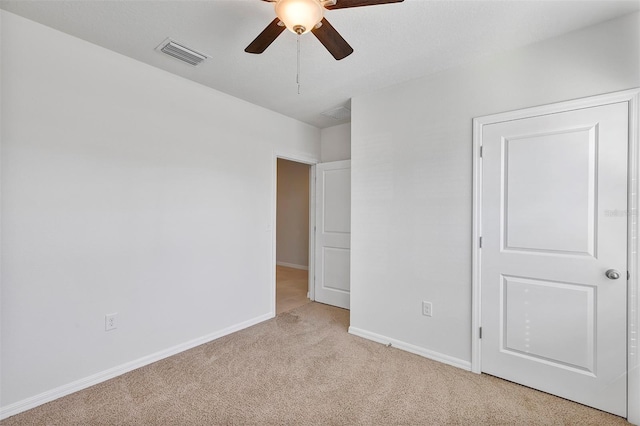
x: 392, y: 43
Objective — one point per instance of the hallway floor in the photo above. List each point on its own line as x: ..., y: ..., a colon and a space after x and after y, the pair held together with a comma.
x: 291, y: 288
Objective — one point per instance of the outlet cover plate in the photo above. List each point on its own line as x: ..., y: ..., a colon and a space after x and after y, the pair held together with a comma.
x: 427, y: 309
x: 110, y: 322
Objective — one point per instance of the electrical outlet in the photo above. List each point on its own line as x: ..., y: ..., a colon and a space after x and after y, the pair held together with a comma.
x: 427, y: 309
x: 110, y: 322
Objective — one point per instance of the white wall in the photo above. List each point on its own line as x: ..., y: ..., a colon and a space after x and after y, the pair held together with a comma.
x: 411, y: 177
x: 292, y: 224
x: 125, y: 189
x: 335, y: 143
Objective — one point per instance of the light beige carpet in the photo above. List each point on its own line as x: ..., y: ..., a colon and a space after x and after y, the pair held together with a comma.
x: 303, y: 368
x: 292, y: 286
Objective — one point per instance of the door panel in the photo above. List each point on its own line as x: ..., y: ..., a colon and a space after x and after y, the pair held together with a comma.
x: 549, y: 322
x: 333, y: 233
x: 337, y: 199
x: 551, y: 319
x: 336, y: 268
x: 567, y: 179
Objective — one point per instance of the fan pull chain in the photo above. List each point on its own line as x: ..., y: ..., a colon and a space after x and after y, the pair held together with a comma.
x: 298, y: 72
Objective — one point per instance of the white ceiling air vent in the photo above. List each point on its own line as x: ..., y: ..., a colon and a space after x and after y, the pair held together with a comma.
x: 339, y: 113
x: 181, y: 52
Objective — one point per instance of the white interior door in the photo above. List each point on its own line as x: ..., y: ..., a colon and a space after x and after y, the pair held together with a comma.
x: 333, y: 233
x: 553, y: 201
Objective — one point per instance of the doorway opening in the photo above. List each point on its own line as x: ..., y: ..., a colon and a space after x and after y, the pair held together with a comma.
x: 293, y: 195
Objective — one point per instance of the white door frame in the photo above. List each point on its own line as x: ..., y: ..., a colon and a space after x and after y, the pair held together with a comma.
x: 633, y: 228
x: 312, y: 221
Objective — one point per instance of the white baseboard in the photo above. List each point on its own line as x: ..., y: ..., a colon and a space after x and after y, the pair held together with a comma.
x: 293, y: 265
x: 59, y: 392
x: 436, y: 356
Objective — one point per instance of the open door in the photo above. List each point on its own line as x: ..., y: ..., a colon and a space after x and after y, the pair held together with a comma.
x: 333, y: 233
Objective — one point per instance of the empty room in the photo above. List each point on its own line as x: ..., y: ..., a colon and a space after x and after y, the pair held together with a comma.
x: 319, y: 212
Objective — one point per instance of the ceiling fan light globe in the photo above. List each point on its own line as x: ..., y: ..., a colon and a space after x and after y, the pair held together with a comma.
x: 299, y: 16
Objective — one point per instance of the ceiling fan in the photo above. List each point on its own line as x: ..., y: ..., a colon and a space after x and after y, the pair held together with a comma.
x: 302, y: 16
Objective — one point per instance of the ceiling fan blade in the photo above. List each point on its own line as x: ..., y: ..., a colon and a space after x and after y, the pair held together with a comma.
x: 332, y: 40
x: 265, y: 38
x: 343, y: 4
